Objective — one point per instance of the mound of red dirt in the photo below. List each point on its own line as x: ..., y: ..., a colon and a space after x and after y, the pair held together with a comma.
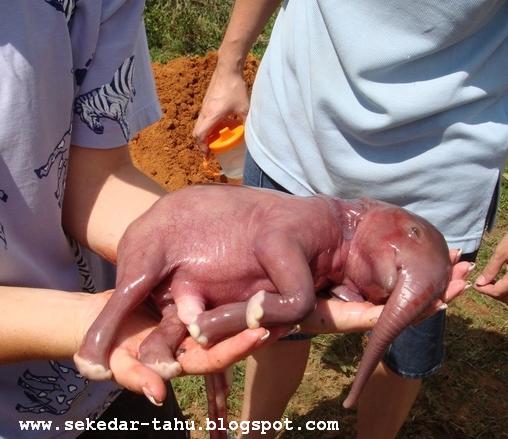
x: 166, y: 151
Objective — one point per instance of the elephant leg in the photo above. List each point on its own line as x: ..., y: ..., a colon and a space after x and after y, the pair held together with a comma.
x: 158, y: 349
x: 289, y: 271
x: 211, y: 326
x: 137, y: 276
x: 217, y: 390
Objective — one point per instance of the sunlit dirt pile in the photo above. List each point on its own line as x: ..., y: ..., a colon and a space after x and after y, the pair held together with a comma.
x: 166, y: 150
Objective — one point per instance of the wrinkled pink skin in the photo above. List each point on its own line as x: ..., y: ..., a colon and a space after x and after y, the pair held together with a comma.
x: 216, y: 249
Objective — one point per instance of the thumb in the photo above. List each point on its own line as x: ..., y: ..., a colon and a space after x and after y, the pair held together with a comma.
x: 492, y: 268
x: 201, y: 129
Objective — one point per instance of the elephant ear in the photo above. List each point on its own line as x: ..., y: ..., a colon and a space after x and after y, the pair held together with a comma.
x: 347, y: 293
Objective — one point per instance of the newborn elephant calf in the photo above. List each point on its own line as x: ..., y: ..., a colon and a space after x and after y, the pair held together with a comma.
x: 225, y: 258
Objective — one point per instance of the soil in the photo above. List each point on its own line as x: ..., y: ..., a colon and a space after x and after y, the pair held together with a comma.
x: 166, y: 151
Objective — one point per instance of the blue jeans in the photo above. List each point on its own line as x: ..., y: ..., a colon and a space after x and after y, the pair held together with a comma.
x: 419, y: 350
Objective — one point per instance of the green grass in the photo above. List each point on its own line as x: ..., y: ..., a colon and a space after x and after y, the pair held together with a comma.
x: 190, y: 27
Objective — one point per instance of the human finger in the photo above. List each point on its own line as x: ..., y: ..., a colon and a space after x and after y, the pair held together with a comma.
x: 455, y: 254
x: 336, y: 316
x: 197, y: 360
x: 497, y: 290
x: 135, y: 376
x: 458, y: 283
x: 494, y: 265
x: 205, y: 124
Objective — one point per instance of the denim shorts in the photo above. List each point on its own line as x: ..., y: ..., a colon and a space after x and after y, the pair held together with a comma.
x: 419, y: 350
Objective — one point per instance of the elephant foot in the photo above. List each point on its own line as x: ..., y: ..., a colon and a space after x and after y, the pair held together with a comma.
x: 93, y: 371
x: 218, y: 323
x: 255, y: 312
x: 195, y: 332
x: 166, y: 369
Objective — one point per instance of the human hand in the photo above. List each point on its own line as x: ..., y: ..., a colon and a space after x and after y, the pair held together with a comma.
x: 486, y: 282
x: 336, y: 316
x: 198, y: 360
x: 458, y: 281
x: 129, y: 372
x: 226, y: 96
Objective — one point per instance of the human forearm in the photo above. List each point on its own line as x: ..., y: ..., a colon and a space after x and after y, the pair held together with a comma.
x: 248, y: 19
x: 39, y: 323
x: 227, y: 93
x: 103, y: 195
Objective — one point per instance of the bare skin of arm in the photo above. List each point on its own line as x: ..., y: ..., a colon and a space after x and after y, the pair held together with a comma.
x: 335, y: 316
x: 104, y: 194
x: 227, y: 93
x: 39, y: 335
x: 33, y: 320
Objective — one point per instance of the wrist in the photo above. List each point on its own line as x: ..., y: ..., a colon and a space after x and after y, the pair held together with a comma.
x: 231, y: 58
x: 86, y: 314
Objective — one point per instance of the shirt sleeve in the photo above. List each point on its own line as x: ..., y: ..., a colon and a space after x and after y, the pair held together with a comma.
x: 116, y: 94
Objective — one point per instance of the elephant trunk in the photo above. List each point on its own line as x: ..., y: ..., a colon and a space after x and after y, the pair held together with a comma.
x: 406, y: 303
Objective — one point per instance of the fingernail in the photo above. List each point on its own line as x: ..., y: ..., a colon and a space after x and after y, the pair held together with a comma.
x: 294, y: 330
x: 265, y: 336
x: 443, y: 307
x: 459, y: 254
x: 151, y: 398
x: 480, y: 280
x: 472, y: 266
x: 467, y: 285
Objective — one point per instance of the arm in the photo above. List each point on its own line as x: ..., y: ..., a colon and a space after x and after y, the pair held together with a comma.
x: 331, y: 316
x: 227, y: 92
x: 104, y: 193
x: 39, y: 335
x: 32, y: 322
x: 246, y: 23
x: 486, y: 283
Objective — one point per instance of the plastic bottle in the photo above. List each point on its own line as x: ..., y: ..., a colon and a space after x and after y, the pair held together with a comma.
x: 229, y: 149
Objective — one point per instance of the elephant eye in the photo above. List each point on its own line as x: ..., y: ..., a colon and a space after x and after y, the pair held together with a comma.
x: 414, y: 232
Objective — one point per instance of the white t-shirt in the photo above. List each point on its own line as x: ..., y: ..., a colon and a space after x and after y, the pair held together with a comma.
x: 404, y: 101
x: 71, y: 72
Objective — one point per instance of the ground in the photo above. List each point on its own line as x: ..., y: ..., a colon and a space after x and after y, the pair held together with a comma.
x: 166, y: 150
x: 468, y: 398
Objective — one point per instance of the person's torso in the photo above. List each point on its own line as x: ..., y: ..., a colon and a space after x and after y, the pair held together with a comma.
x: 401, y: 101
